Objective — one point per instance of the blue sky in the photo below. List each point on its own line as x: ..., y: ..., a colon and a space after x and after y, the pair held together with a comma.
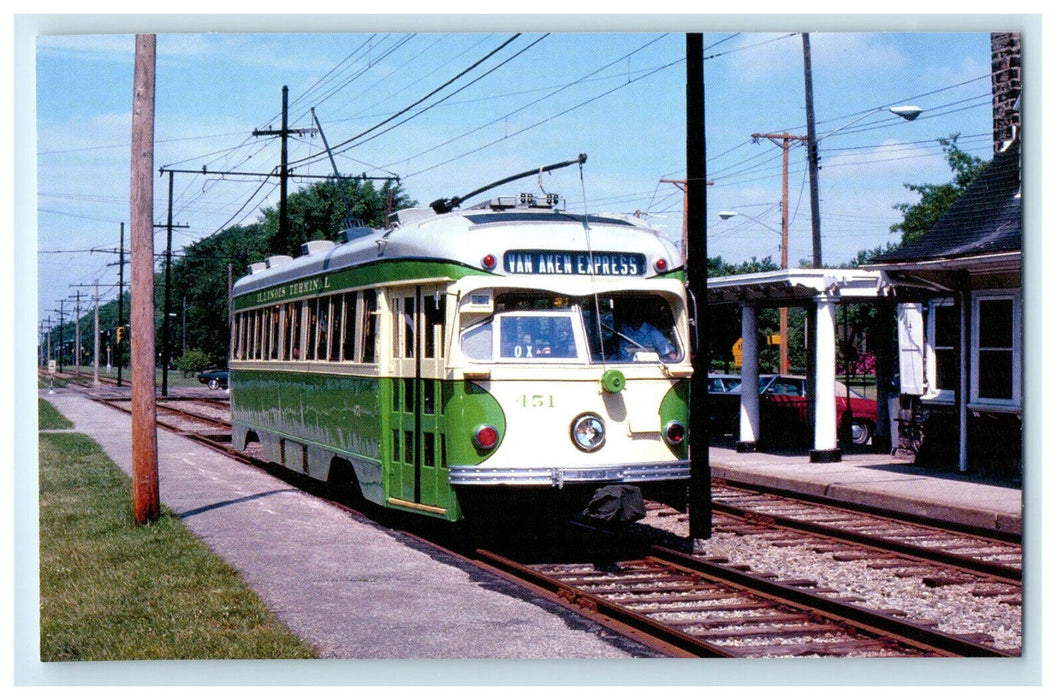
x: 617, y: 96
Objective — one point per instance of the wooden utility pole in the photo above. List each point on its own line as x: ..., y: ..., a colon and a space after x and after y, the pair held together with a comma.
x: 283, y: 133
x: 121, y: 290
x: 77, y: 334
x: 96, y: 341
x: 682, y: 184
x: 142, y: 290
x: 697, y: 282
x: 783, y: 141
x: 813, y: 158
x: 169, y: 226
x: 62, y: 320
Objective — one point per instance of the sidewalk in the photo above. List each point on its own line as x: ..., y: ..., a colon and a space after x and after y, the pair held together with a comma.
x: 880, y: 481
x: 351, y: 588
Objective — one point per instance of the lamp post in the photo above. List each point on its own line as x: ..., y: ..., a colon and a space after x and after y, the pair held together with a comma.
x: 905, y: 112
x: 784, y: 320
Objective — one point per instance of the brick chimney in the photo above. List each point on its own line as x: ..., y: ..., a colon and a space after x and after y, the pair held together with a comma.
x: 1007, y: 89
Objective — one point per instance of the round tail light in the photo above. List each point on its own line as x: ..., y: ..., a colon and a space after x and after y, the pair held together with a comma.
x: 485, y: 437
x: 674, y: 433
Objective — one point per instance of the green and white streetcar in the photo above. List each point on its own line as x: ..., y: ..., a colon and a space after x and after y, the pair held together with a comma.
x: 469, y: 363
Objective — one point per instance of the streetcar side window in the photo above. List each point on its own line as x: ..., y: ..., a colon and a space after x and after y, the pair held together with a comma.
x: 296, y: 332
x: 256, y: 353
x: 476, y: 342
x: 336, y: 328
x: 409, y: 318
x: 274, y: 333
x: 369, y: 327
x: 435, y: 318
x: 281, y: 352
x: 350, y: 326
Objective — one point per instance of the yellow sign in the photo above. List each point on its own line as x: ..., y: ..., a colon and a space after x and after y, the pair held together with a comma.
x: 773, y: 339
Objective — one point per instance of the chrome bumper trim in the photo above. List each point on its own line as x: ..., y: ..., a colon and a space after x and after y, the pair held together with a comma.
x: 481, y: 475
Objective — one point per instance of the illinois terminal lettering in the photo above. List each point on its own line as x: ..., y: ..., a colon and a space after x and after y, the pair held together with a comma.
x: 291, y: 290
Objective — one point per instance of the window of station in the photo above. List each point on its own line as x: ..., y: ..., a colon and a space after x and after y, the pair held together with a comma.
x: 996, y: 329
x: 943, y: 342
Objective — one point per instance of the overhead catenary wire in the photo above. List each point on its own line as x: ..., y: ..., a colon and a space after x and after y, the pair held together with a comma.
x: 341, y: 145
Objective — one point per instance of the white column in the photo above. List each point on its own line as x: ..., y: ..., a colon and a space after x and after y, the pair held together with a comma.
x: 749, y: 409
x: 825, y: 438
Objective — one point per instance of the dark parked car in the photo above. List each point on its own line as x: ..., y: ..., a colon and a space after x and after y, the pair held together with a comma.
x: 215, y: 378
x: 784, y: 405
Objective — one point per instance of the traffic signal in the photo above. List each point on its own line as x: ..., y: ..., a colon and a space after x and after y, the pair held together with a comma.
x: 121, y: 333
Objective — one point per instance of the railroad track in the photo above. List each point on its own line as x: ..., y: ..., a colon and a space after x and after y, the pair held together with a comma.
x: 995, y: 555
x: 689, y: 606
x: 685, y: 606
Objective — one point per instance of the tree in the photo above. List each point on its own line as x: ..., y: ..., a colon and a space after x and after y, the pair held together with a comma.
x: 935, y: 200
x: 318, y: 212
x: 201, y: 275
x: 726, y: 320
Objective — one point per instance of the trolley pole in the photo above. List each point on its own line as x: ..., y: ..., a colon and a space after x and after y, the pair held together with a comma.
x: 142, y: 290
x: 697, y: 281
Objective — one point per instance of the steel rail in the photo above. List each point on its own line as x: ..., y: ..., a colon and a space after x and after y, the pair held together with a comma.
x: 845, y: 613
x: 996, y: 570
x: 640, y: 628
x: 864, y: 509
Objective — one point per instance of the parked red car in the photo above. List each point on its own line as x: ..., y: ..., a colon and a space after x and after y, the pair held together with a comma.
x: 784, y: 405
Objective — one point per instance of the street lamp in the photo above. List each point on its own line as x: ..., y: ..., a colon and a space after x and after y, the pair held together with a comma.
x: 727, y: 214
x: 906, y: 112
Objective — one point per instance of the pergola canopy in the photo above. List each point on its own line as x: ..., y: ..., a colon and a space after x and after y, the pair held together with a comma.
x: 784, y: 286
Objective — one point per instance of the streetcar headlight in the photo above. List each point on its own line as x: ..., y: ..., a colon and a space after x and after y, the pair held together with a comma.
x: 485, y: 437
x: 674, y: 433
x: 588, y: 432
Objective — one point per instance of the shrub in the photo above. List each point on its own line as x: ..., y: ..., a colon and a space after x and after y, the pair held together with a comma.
x: 192, y: 361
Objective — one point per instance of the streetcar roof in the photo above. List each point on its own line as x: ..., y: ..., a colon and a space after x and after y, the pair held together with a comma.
x: 491, y: 239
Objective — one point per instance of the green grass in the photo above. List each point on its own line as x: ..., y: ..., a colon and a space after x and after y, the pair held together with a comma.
x: 111, y: 590
x: 50, y: 419
x: 175, y: 378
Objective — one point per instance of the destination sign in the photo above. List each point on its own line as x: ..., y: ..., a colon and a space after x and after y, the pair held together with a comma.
x: 568, y: 262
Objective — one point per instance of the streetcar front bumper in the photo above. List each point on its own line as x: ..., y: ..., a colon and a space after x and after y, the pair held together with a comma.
x: 482, y: 475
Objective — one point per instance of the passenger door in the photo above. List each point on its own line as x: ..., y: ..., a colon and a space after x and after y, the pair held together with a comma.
x: 418, y: 476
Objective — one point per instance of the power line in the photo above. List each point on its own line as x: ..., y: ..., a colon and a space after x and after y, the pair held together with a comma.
x: 441, y: 100
x: 342, y: 144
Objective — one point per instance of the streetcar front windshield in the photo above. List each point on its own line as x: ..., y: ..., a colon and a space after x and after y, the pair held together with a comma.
x: 603, y: 329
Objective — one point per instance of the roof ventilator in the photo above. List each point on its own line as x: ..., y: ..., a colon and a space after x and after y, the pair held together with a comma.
x: 312, y: 247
